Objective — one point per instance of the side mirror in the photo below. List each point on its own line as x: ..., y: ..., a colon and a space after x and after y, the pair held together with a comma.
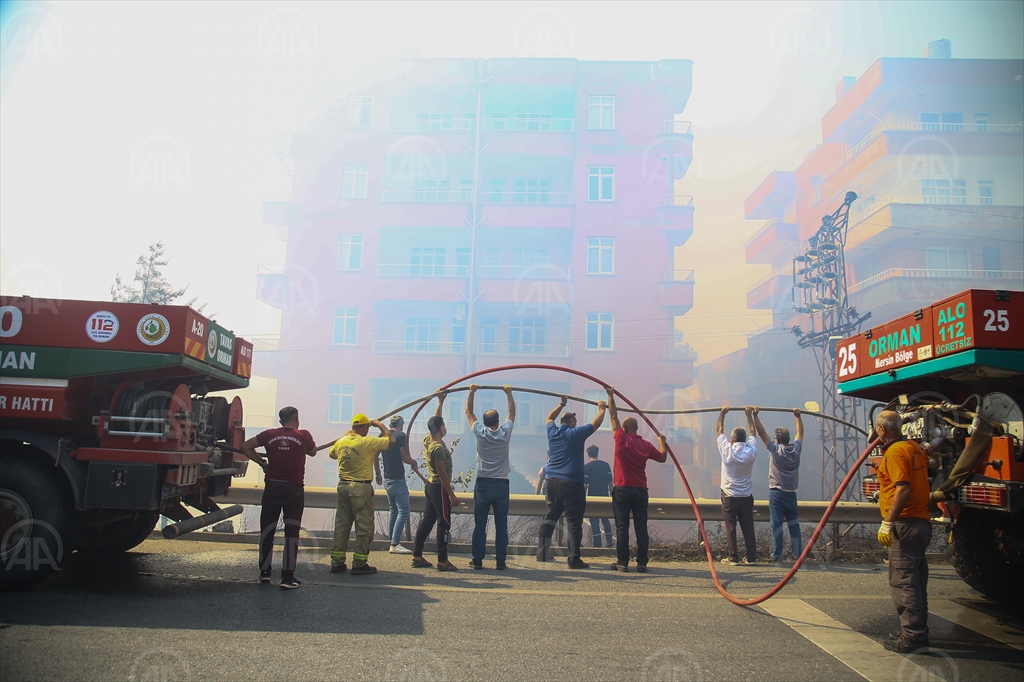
x: 811, y: 406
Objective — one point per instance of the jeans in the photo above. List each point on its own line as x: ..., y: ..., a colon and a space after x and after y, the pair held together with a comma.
x: 571, y: 498
x: 626, y: 501
x: 437, y: 509
x: 490, y: 492
x: 595, y: 526
x: 741, y: 510
x: 908, y: 576
x: 278, y: 497
x: 398, y: 499
x: 355, y: 505
x: 782, y: 505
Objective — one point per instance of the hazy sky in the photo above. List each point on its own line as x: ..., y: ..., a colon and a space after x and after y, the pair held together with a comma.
x: 90, y: 90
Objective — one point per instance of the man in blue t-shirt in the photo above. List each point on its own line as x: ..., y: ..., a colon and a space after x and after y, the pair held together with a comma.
x: 565, y: 490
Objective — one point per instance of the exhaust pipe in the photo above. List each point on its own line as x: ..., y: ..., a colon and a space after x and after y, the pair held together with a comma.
x: 188, y: 525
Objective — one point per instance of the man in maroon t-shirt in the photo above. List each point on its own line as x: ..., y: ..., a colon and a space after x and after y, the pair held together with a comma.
x: 629, y: 478
x: 284, y: 469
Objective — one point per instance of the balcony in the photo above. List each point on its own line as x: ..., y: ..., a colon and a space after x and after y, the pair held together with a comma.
x: 675, y: 292
x: 278, y: 212
x: 425, y: 196
x: 425, y: 271
x: 775, y: 240
x: 673, y: 149
x: 675, y: 368
x: 272, y: 284
x: 419, y: 347
x: 771, y: 197
x: 540, y: 289
x: 443, y: 123
x: 266, y: 360
x: 679, y: 434
x: 532, y: 197
x: 529, y: 124
x: 772, y: 292
x: 545, y: 271
x: 675, y: 217
x: 900, y: 290
x: 524, y: 351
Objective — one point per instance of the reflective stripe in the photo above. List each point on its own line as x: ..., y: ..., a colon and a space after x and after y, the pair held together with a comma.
x: 337, y: 555
x: 364, y: 557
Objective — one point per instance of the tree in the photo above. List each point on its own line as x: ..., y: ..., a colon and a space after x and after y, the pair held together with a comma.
x: 149, y: 285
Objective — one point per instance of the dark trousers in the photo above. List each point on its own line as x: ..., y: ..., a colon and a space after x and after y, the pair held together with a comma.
x: 570, y: 498
x: 438, y: 509
x: 595, y: 526
x: 741, y: 510
x: 908, y: 575
x: 626, y: 501
x: 278, y: 497
x: 488, y: 493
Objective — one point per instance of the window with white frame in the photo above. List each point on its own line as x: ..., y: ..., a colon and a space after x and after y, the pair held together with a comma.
x: 422, y: 334
x: 427, y: 261
x: 944, y: 191
x: 458, y: 334
x: 529, y: 411
x: 488, y: 335
x: 355, y: 181
x: 532, y: 191
x: 346, y: 324
x: 455, y: 414
x: 496, y: 188
x: 600, y: 255
x: 528, y: 262
x: 991, y: 260
x: 528, y: 122
x: 981, y: 121
x: 359, y: 111
x: 492, y: 262
x: 350, y: 251
x: 815, y: 190
x: 949, y: 121
x: 435, y: 122
x: 599, y: 331
x: 431, y: 190
x: 340, y: 401
x: 947, y: 260
x: 590, y: 411
x: 527, y: 336
x: 986, y: 191
x: 466, y: 190
x: 601, y: 186
x: 601, y: 112
x: 462, y: 261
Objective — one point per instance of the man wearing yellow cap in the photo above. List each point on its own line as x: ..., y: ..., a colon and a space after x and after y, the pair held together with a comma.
x: 355, y: 452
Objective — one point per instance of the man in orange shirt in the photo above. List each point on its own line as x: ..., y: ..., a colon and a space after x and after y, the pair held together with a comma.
x: 906, y: 529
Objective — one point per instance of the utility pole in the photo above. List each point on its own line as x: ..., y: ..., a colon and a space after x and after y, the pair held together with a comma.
x: 474, y: 222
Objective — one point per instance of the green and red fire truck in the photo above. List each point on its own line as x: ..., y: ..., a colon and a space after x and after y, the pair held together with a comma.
x: 955, y: 372
x: 109, y: 422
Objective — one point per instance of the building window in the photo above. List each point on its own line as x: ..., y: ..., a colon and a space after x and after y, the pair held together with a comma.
x: 496, y: 187
x: 330, y: 474
x: 529, y: 411
x: 600, y: 256
x: 981, y: 121
x: 590, y: 411
x: 492, y: 262
x: 466, y: 190
x: 599, y: 331
x: 528, y: 262
x: 602, y: 113
x: 949, y: 121
x: 497, y: 122
x: 944, y: 191
x: 947, y: 261
x: 359, y: 111
x: 458, y: 334
x: 431, y: 190
x: 455, y: 414
x: 434, y: 122
x: 346, y: 322
x: 427, y: 261
x: 991, y: 260
x: 815, y: 190
x: 355, y: 181
x: 602, y: 183
x: 488, y: 335
x: 462, y: 261
x: 340, y: 399
x: 985, y: 191
x: 422, y: 333
x: 532, y: 191
x: 350, y: 251
x: 527, y: 336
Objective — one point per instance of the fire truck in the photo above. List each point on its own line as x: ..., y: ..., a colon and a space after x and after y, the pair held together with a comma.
x: 108, y: 422
x: 955, y: 373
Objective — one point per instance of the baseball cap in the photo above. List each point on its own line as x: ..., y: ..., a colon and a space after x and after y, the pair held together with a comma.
x: 397, y: 419
x: 360, y: 420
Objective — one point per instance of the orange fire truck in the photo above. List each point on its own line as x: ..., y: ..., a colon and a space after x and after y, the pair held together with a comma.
x: 955, y: 372
x: 109, y: 422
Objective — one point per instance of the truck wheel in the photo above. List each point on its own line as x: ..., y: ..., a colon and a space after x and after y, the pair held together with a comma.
x: 35, y: 522
x: 988, y: 553
x: 119, y: 536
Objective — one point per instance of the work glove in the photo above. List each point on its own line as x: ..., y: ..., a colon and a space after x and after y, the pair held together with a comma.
x: 885, y: 534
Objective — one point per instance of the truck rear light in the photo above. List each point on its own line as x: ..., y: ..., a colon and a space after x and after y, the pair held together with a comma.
x: 987, y: 494
x: 869, y: 487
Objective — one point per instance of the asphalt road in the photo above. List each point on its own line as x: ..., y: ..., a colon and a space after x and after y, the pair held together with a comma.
x: 183, y: 610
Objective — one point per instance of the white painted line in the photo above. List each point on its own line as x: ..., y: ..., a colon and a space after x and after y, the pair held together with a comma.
x: 860, y: 653
x: 977, y: 621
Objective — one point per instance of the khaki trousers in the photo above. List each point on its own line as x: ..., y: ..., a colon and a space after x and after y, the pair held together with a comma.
x: 355, y: 504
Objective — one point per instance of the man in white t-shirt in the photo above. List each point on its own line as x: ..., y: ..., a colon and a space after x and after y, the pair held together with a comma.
x: 738, y: 454
x: 492, y: 467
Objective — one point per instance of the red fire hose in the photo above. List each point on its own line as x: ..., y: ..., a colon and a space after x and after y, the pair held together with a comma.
x: 700, y: 521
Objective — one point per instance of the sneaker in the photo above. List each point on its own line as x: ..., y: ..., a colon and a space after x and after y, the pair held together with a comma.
x: 641, y: 568
x: 365, y: 569
x: 620, y: 568
x: 265, y: 577
x: 579, y: 563
x: 774, y: 560
x: 399, y: 549
x: 748, y: 562
x: 339, y: 567
x: 290, y: 584
x: 476, y: 565
x: 730, y: 562
x: 500, y: 567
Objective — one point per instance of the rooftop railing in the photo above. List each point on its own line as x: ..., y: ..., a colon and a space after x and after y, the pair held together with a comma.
x: 679, y: 276
x: 677, y: 128
x: 944, y: 273
x: 678, y: 200
x: 268, y: 343
x: 875, y: 205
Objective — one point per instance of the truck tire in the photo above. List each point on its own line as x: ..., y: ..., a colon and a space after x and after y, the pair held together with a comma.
x: 119, y: 536
x: 988, y: 553
x: 36, y: 521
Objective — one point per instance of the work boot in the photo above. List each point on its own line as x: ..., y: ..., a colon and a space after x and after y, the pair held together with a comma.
x: 338, y: 566
x: 365, y: 569
x: 907, y: 646
x: 544, y: 549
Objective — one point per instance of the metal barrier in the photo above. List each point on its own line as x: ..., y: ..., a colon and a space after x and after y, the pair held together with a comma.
x: 659, y: 508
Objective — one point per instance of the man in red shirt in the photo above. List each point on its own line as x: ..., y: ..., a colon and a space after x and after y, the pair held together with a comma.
x: 629, y: 494
x: 284, y: 471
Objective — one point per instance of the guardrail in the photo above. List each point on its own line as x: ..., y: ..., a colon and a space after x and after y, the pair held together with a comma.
x: 936, y: 274
x: 659, y: 508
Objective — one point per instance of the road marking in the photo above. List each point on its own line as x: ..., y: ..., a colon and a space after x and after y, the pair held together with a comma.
x: 859, y: 653
x: 977, y: 621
